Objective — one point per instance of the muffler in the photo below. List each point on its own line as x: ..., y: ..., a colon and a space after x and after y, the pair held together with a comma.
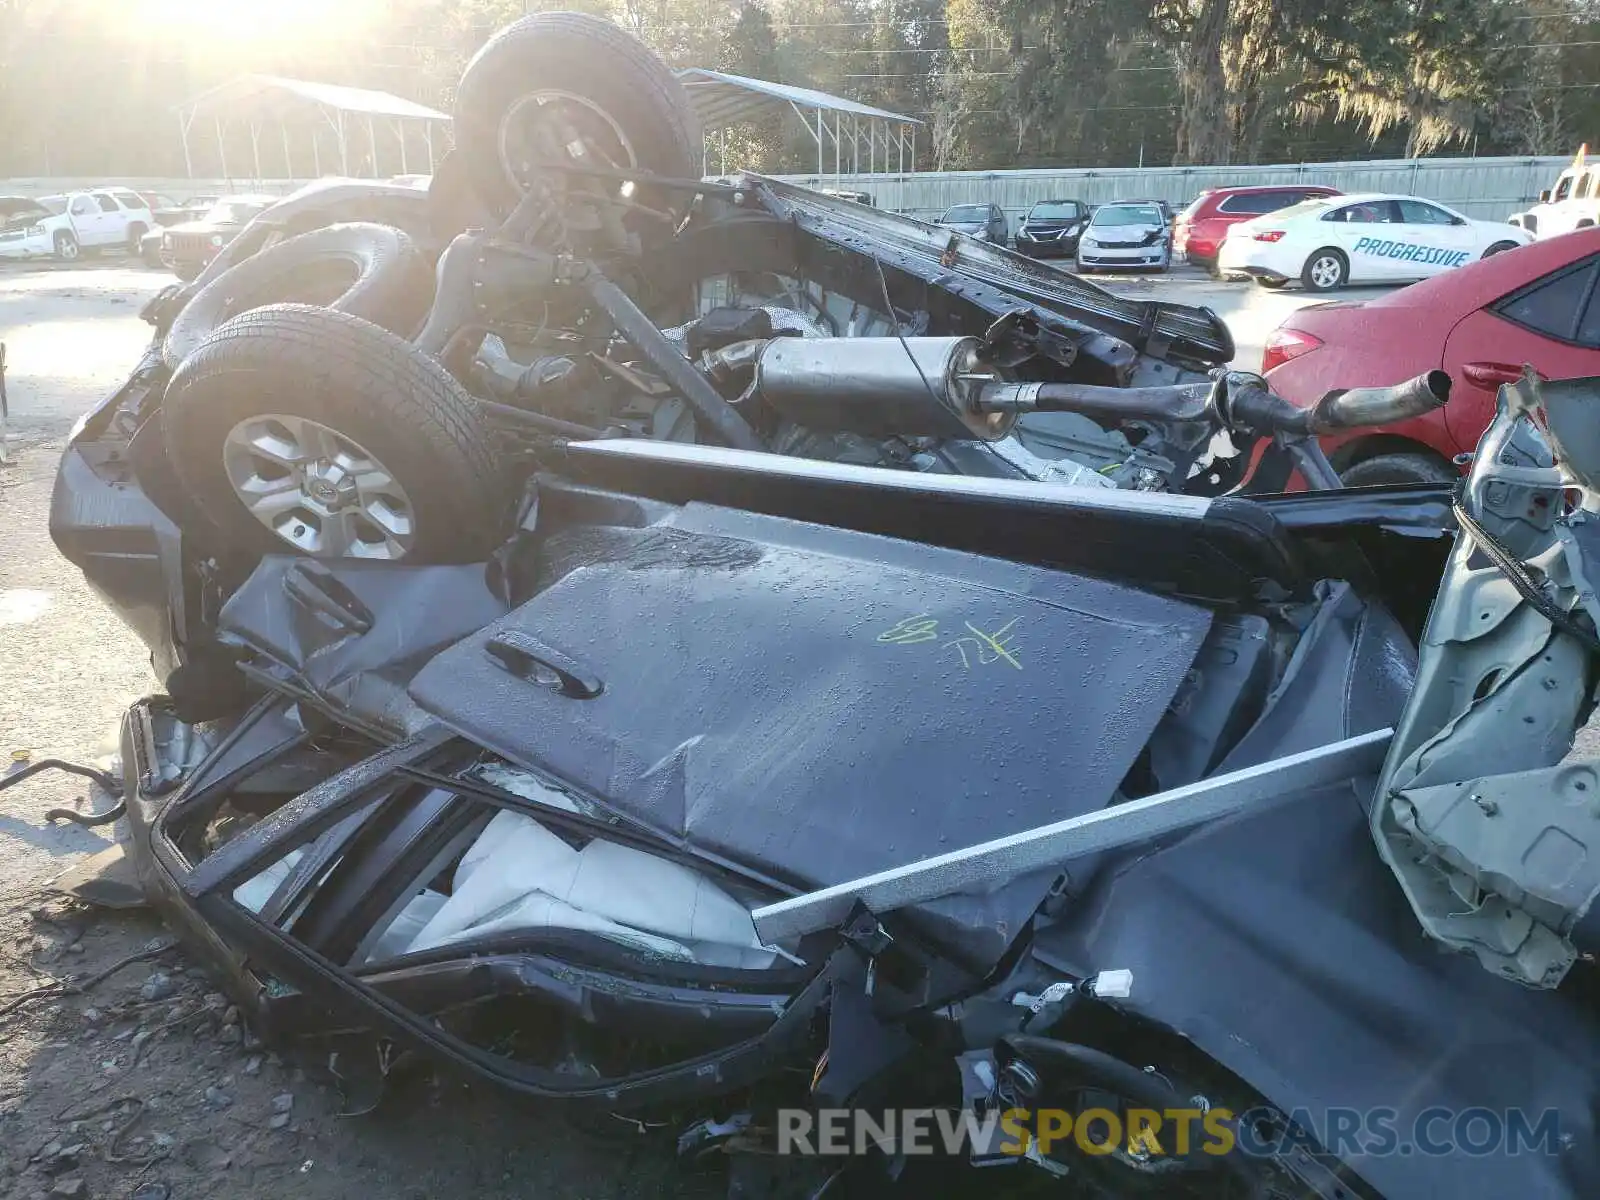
x: 876, y: 387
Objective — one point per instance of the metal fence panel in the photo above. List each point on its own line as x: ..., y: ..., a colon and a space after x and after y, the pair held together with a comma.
x: 1487, y: 188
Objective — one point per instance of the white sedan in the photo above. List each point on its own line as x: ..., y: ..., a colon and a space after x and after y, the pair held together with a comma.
x: 1332, y: 241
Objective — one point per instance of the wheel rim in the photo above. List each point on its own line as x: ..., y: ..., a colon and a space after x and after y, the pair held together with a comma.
x: 1326, y: 271
x: 550, y: 125
x: 67, y: 247
x: 318, y: 491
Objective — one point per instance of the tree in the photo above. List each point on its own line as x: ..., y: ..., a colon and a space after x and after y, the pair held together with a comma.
x: 750, y: 48
x: 1421, y: 64
x: 1001, y: 83
x: 1545, y: 103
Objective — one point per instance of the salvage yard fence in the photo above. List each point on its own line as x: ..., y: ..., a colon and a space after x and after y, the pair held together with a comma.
x: 1489, y: 188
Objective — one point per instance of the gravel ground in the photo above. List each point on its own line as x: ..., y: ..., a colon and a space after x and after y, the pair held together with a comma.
x: 145, y: 1085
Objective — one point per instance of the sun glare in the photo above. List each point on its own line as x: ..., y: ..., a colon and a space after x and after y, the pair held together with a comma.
x: 246, y: 20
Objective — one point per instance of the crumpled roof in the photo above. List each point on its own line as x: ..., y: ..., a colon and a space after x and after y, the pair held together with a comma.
x: 272, y: 94
x: 721, y: 99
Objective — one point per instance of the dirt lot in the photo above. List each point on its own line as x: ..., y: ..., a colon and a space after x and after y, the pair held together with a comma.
x: 146, y: 1086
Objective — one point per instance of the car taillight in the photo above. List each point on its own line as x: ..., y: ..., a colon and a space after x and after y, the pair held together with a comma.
x: 1286, y: 345
x: 1269, y: 235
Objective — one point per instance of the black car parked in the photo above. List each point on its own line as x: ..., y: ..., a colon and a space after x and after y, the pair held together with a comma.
x: 986, y: 222
x: 1051, y: 228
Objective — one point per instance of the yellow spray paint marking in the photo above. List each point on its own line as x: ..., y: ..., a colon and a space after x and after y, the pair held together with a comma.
x: 987, y: 647
x: 976, y: 648
x: 920, y: 628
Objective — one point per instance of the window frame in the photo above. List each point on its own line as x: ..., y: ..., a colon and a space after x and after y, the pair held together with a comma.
x: 1252, y: 212
x: 1393, y: 208
x: 1589, y: 263
x: 1427, y: 205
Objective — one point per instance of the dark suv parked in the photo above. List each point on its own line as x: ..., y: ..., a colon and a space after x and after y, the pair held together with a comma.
x: 1051, y: 228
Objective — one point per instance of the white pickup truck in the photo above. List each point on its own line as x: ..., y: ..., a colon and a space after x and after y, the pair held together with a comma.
x: 1573, y: 203
x: 62, y: 227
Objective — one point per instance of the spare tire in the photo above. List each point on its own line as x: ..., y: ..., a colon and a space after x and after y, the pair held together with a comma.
x: 371, y: 271
x: 603, y: 83
x: 298, y: 429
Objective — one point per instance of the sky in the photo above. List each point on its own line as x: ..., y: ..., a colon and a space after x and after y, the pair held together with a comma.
x: 243, y: 21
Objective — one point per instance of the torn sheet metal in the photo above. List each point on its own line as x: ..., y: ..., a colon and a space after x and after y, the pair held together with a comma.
x: 994, y: 863
x: 846, y: 688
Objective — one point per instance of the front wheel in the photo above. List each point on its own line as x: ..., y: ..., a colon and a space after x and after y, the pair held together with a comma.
x: 66, y: 246
x: 298, y: 429
x: 1325, y: 271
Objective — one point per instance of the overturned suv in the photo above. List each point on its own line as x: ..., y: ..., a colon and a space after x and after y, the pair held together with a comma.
x: 706, y: 649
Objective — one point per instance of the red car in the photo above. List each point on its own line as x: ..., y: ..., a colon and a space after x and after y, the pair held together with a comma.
x: 1202, y: 226
x: 1536, y: 304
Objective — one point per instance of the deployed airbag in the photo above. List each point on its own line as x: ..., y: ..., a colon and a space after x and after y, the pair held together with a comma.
x: 519, y: 876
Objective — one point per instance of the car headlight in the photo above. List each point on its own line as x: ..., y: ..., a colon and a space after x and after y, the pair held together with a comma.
x: 1087, y: 242
x: 216, y: 240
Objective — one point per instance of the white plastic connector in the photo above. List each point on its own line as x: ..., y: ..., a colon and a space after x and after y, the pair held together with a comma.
x: 1054, y: 994
x: 1111, y: 985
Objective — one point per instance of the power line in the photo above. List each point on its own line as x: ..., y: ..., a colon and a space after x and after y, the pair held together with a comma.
x: 1552, y: 45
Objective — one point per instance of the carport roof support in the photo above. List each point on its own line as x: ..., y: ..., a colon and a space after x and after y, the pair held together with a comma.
x: 274, y: 94
x: 273, y: 98
x: 721, y: 100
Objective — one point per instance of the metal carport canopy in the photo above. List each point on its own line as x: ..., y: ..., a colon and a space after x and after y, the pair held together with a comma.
x: 263, y: 98
x: 722, y: 100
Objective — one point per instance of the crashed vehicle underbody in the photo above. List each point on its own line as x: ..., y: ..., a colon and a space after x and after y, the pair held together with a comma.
x: 725, y: 649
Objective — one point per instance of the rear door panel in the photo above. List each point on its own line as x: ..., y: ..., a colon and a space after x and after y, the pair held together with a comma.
x: 1364, y: 231
x: 1511, y: 337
